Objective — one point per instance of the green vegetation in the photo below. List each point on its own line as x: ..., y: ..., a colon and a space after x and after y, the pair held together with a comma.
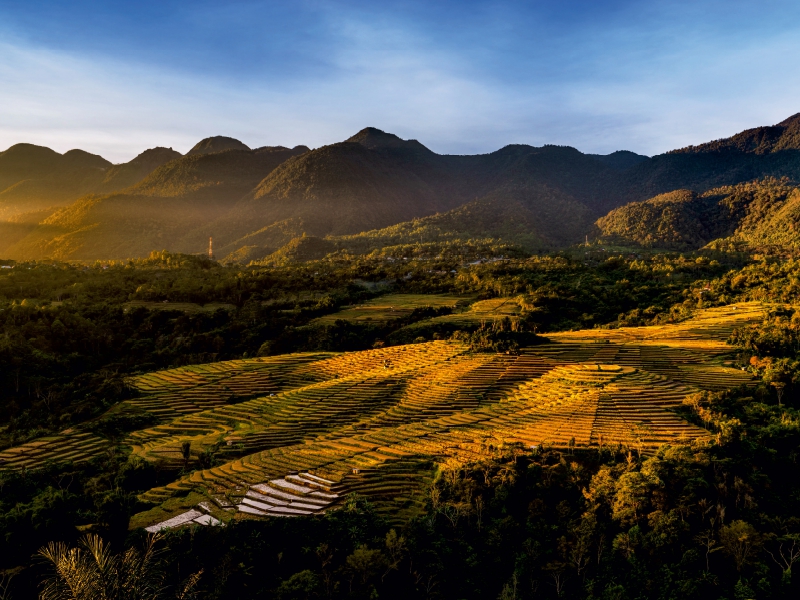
x: 746, y: 217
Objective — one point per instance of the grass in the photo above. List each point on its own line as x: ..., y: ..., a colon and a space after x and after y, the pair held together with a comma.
x: 378, y: 421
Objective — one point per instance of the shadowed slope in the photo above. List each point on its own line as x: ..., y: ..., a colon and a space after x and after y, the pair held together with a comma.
x: 377, y: 180
x: 621, y: 159
x: 119, y: 177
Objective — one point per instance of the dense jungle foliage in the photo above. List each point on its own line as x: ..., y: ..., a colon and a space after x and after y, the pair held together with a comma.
x: 719, y: 522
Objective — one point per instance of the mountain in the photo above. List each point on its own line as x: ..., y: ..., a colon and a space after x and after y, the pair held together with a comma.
x: 376, y: 180
x: 376, y: 187
x: 34, y: 177
x: 337, y: 189
x: 171, y: 201
x: 119, y: 177
x: 746, y: 215
x: 36, y: 181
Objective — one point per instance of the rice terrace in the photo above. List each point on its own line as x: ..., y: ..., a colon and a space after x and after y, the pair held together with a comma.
x: 297, y: 433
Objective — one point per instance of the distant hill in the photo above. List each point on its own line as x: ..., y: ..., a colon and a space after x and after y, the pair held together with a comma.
x: 174, y: 199
x: 376, y: 188
x: 746, y: 215
x: 119, y: 177
x: 215, y: 144
x: 34, y: 177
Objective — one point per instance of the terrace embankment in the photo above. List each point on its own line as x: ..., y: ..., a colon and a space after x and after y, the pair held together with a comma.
x: 378, y: 422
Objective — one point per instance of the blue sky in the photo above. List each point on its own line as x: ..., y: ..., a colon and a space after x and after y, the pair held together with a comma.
x: 462, y: 77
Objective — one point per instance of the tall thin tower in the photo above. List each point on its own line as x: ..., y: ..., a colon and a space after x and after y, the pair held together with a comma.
x: 211, y: 248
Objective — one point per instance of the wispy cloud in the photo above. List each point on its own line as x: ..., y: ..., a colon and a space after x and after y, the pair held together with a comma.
x: 643, y: 79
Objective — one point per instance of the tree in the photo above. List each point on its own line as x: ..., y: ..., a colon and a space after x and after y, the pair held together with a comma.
x: 365, y: 564
x: 741, y: 541
x: 709, y: 543
x: 779, y: 387
x: 300, y: 586
x: 632, y: 493
x: 93, y: 572
x: 186, y: 452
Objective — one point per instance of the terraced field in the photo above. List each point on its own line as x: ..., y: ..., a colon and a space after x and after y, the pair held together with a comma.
x: 392, y: 306
x: 187, y: 307
x: 294, y: 434
x: 481, y: 311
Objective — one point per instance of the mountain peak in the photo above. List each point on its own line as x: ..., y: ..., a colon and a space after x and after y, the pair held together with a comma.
x: 620, y: 160
x: 217, y: 143
x: 82, y: 159
x: 374, y: 138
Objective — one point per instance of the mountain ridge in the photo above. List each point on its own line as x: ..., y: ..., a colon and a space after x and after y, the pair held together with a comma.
x: 255, y: 201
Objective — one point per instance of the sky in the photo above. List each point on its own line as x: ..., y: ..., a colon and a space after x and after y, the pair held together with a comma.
x: 461, y: 76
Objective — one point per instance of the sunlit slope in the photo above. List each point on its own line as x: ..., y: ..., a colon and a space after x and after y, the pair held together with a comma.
x: 453, y: 414
x: 706, y: 332
x: 759, y: 140
x: 377, y: 421
x: 465, y: 311
x: 44, y: 181
x: 33, y: 178
x: 748, y: 215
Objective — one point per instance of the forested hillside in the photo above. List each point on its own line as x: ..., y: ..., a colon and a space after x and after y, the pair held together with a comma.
x: 761, y: 214
x: 376, y: 187
x: 760, y: 140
